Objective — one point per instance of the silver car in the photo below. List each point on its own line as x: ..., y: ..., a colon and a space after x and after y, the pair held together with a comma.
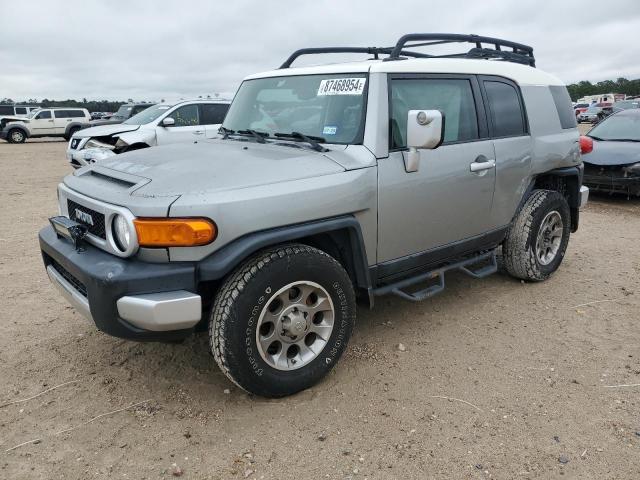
x: 326, y: 185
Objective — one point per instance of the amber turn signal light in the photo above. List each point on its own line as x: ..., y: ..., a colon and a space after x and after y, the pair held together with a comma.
x: 174, y: 232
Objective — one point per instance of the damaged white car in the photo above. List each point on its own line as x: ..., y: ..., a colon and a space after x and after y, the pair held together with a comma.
x: 158, y: 125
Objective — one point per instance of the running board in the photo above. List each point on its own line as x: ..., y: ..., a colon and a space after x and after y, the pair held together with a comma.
x: 463, y: 266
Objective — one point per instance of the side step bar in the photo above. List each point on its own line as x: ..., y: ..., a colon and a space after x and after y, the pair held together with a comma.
x: 463, y: 265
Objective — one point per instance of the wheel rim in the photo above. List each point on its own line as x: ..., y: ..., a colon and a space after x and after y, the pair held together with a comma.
x: 16, y: 136
x: 295, y: 325
x: 549, y: 238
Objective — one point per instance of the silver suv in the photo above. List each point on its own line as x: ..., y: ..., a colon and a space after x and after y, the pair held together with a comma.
x: 326, y: 185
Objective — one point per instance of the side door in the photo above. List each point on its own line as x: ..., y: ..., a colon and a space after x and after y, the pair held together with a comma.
x: 211, y: 117
x: 187, y: 126
x: 61, y: 119
x: 448, y: 200
x: 513, y: 145
x: 42, y: 123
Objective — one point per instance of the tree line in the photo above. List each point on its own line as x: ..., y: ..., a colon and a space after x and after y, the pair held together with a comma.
x: 91, y: 105
x: 621, y: 85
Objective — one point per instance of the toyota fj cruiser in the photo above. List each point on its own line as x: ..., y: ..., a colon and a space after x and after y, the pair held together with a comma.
x: 327, y: 184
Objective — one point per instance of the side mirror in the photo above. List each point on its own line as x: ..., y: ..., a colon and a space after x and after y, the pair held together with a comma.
x: 168, y: 122
x: 425, y: 130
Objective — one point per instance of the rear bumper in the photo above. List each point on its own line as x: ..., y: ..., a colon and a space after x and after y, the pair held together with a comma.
x: 125, y: 298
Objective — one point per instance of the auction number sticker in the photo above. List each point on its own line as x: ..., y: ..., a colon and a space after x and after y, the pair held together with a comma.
x: 342, y: 86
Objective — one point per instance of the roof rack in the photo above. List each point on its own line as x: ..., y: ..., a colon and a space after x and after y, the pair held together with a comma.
x: 519, y: 53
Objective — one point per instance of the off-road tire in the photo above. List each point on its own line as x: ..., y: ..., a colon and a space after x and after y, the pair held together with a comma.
x: 16, y: 131
x: 242, y: 298
x: 519, y: 247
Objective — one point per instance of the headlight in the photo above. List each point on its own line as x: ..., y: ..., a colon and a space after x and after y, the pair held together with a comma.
x: 93, y: 143
x: 122, y: 232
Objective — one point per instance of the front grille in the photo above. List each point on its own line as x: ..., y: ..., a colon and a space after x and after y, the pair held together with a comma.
x: 94, y: 221
x: 77, y: 284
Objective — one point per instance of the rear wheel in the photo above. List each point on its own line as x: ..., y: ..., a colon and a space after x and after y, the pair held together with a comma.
x: 281, y: 321
x: 538, y: 238
x: 15, y: 135
x: 71, y: 132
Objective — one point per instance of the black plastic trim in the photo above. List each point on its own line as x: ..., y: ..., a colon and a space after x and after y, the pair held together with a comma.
x: 221, y: 262
x: 428, y: 259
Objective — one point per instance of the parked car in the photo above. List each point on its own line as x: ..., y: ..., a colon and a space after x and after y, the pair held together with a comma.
x: 613, y: 166
x: 328, y: 183
x: 125, y: 112
x: 45, y: 122
x: 625, y: 105
x: 157, y: 125
x: 592, y: 114
x: 580, y: 107
x: 20, y: 111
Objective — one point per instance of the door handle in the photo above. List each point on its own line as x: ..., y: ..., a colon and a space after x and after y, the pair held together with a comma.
x: 198, y: 132
x: 50, y: 121
x: 484, y: 165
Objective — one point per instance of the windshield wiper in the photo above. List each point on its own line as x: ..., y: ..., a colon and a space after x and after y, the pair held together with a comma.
x: 259, y: 136
x: 624, y: 140
x: 310, y: 139
x: 596, y: 138
x: 225, y: 132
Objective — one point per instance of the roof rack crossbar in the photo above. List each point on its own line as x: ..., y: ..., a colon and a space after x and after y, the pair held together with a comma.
x: 520, y: 53
x: 375, y: 51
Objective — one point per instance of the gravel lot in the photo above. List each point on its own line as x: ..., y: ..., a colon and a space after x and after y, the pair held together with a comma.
x: 500, y: 379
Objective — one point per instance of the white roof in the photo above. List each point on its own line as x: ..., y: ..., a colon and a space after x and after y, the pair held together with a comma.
x: 521, y: 74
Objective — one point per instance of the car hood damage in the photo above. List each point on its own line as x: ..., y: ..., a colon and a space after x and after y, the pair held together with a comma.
x: 106, y: 130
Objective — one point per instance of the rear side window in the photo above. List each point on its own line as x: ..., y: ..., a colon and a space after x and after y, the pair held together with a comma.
x: 213, y: 113
x: 21, y: 111
x: 6, y: 110
x: 453, y: 97
x: 75, y: 113
x: 506, y: 111
x: 61, y: 113
x: 563, y: 106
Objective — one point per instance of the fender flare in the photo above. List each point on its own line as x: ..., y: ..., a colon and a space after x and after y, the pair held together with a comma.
x: 221, y: 262
x: 19, y: 126
x: 73, y: 125
x: 573, y: 176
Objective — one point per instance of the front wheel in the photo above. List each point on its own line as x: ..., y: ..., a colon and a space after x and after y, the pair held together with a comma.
x: 537, y: 240
x: 16, y: 136
x: 282, y: 320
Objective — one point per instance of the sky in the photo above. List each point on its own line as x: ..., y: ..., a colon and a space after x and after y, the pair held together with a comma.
x: 159, y: 49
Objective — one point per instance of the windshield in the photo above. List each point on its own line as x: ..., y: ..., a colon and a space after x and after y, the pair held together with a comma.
x: 32, y: 113
x: 618, y: 127
x: 593, y: 109
x: 148, y: 115
x: 327, y: 106
x: 123, y: 112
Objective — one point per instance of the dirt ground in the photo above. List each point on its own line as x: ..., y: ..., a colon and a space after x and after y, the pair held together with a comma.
x: 500, y: 379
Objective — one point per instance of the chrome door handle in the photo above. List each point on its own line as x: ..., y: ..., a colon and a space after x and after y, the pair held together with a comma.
x: 480, y: 166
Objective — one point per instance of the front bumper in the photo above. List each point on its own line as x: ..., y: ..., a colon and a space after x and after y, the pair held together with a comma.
x: 80, y: 157
x: 613, y: 184
x: 125, y: 298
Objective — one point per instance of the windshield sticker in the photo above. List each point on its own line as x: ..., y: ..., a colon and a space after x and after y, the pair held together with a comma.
x: 342, y: 86
x: 329, y: 130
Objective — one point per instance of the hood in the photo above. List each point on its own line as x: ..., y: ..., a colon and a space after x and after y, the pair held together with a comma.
x: 105, y: 130
x: 218, y: 165
x: 613, y: 153
x: 13, y: 118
